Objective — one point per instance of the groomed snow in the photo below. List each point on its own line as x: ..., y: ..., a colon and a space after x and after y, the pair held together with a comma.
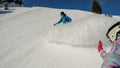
x: 28, y: 38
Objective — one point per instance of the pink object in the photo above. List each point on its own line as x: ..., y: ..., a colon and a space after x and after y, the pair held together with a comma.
x: 100, y: 46
x: 118, y: 41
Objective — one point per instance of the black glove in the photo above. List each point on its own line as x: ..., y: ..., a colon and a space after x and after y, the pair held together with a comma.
x: 55, y: 24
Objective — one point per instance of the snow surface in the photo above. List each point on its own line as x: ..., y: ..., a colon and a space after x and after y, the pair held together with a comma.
x: 28, y: 38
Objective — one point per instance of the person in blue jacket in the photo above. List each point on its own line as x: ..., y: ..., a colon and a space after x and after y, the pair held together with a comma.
x: 64, y: 18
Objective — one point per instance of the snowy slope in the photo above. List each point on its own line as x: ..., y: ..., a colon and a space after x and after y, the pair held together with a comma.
x: 117, y: 17
x: 28, y: 38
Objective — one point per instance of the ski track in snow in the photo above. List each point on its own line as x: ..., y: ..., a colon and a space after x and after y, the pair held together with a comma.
x: 29, y: 40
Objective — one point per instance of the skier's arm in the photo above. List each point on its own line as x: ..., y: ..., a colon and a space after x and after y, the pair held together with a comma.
x: 58, y: 22
x: 113, y: 49
x: 104, y: 55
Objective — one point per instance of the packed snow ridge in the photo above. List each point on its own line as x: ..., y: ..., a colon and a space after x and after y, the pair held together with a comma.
x: 85, y: 30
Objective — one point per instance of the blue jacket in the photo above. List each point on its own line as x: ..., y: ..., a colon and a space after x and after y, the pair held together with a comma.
x: 64, y: 19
